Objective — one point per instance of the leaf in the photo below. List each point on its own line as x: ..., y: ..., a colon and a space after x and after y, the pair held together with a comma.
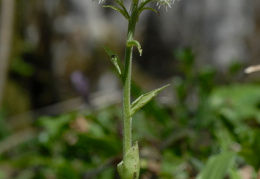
x: 109, y: 52
x: 131, y: 43
x: 144, y: 99
x: 114, y: 58
x: 123, y: 12
x: 151, y: 9
x: 237, y: 102
x: 234, y: 174
x: 217, y: 166
x: 129, y: 168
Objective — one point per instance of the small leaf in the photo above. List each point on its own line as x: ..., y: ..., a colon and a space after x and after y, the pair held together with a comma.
x: 130, y: 43
x: 151, y: 9
x: 144, y: 99
x: 218, y: 166
x: 109, y: 52
x: 123, y: 12
x: 130, y: 166
x: 114, y: 58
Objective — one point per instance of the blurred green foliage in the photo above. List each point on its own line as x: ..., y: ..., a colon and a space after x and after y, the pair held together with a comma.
x: 217, y: 166
x: 22, y: 68
x: 210, y: 128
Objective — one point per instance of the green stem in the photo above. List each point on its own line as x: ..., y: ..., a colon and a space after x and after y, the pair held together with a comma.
x: 127, y: 120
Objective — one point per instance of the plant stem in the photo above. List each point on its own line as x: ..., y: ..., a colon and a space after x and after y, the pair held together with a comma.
x: 127, y: 120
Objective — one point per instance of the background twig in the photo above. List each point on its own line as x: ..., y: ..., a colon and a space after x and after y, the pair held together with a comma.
x: 7, y: 18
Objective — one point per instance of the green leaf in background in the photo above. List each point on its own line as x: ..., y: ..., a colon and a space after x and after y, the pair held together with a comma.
x: 2, y: 174
x: 237, y: 102
x: 67, y: 171
x: 225, y: 139
x: 144, y: 99
x: 234, y: 174
x: 217, y: 166
x: 251, y: 148
x: 129, y: 167
x: 114, y: 58
x: 172, y: 166
x: 19, y: 66
x: 53, y: 125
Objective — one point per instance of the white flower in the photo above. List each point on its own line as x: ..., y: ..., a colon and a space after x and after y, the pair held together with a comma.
x: 166, y: 3
x: 100, y: 1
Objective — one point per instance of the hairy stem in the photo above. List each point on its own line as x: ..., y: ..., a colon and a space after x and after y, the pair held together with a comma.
x: 127, y: 121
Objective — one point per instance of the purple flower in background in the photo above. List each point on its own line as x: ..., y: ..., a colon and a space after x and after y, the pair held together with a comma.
x: 81, y: 85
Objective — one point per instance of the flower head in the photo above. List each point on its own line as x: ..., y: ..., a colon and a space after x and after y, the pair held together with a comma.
x: 166, y: 3
x: 100, y: 1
